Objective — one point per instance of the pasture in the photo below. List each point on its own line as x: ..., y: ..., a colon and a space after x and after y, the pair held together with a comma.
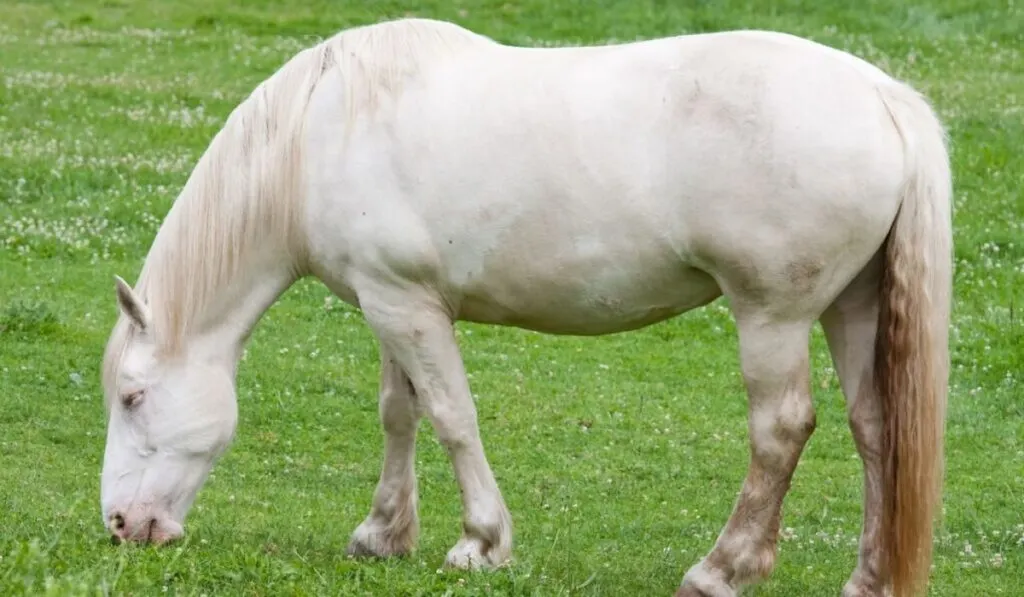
x: 620, y: 457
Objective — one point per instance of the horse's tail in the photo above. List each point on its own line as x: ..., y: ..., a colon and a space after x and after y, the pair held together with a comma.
x: 912, y: 347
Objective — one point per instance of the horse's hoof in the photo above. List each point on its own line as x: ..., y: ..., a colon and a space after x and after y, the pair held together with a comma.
x: 688, y: 590
x: 469, y: 554
x: 699, y: 583
x: 855, y: 589
x: 369, y: 541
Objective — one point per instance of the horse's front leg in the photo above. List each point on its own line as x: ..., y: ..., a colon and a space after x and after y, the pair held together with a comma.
x: 774, y: 359
x: 421, y: 338
x: 392, y: 525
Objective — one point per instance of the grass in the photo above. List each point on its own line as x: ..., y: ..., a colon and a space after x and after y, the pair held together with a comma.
x: 619, y: 456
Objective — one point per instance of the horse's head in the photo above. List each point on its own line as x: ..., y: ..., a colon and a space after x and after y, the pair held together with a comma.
x: 171, y: 415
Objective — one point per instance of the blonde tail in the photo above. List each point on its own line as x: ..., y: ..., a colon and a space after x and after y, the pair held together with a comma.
x: 912, y: 352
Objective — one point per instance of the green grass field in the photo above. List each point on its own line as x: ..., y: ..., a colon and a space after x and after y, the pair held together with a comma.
x: 620, y: 456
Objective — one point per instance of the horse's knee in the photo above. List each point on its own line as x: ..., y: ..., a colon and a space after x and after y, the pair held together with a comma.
x: 455, y: 426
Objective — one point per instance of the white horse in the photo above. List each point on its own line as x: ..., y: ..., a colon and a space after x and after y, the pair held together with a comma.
x: 428, y: 175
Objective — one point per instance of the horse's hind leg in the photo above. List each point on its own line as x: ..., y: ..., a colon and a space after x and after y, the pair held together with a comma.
x: 850, y: 326
x: 392, y: 526
x: 775, y: 364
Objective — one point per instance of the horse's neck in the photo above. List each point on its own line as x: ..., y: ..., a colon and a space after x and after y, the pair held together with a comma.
x: 228, y: 323
x: 234, y: 229
x: 224, y: 255
x: 216, y: 327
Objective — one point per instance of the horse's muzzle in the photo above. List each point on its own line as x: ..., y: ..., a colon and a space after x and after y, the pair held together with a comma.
x: 142, y: 529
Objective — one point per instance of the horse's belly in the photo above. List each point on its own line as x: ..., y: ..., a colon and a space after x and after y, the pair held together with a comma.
x: 595, y: 316
x: 581, y: 296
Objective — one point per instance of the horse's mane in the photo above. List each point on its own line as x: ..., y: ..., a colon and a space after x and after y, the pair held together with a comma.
x: 245, y: 190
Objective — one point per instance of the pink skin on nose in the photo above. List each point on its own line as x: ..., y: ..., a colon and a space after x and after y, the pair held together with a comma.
x: 156, y: 530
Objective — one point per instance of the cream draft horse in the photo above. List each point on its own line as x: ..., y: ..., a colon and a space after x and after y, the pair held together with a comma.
x: 428, y: 175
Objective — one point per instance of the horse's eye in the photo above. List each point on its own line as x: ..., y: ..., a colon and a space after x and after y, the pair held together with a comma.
x: 132, y: 400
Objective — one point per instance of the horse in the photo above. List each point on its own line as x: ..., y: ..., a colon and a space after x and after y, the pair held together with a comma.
x: 427, y: 174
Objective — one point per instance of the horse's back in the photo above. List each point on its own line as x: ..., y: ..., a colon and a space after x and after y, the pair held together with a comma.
x: 586, y: 190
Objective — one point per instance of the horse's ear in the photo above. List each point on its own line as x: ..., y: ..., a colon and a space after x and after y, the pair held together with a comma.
x: 131, y: 305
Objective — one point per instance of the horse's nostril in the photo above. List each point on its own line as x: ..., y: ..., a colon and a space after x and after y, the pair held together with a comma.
x: 117, y: 522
